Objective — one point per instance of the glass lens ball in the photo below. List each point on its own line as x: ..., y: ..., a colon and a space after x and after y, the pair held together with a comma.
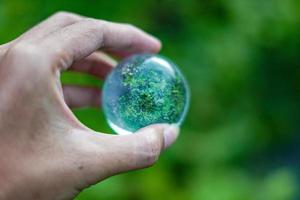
x: 144, y: 89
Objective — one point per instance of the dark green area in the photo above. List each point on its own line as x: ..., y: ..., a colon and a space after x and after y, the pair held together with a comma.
x: 241, y: 57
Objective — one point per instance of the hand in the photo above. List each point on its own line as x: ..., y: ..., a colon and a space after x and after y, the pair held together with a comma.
x: 45, y: 152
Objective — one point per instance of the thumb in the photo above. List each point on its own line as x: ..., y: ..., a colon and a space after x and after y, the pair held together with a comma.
x: 142, y: 149
x: 114, y: 154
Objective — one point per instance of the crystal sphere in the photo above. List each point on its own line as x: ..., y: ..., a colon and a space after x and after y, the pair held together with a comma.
x: 144, y: 89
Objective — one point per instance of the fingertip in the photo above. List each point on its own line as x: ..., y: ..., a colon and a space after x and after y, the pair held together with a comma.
x: 169, y: 132
x: 156, y: 44
x: 170, y: 135
x: 147, y: 43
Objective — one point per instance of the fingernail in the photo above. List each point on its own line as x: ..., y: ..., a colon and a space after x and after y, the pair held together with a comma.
x: 170, y: 135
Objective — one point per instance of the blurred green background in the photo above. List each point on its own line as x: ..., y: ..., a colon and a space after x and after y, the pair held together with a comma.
x: 241, y: 139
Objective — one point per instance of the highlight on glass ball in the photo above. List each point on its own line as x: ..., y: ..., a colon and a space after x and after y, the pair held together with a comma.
x: 144, y: 89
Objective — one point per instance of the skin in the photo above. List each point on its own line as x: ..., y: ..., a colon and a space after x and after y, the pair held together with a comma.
x: 45, y: 152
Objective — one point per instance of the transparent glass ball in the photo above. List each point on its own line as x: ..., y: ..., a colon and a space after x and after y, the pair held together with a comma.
x: 144, y: 89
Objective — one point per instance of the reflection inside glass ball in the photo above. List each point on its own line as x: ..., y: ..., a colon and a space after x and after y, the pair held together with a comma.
x: 143, y: 90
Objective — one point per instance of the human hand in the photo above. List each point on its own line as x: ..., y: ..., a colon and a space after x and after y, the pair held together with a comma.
x: 45, y: 152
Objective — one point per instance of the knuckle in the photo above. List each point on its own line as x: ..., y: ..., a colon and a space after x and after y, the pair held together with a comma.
x: 130, y: 27
x: 92, y: 21
x: 94, y: 25
x: 64, y: 15
x: 61, y: 13
x: 95, y: 28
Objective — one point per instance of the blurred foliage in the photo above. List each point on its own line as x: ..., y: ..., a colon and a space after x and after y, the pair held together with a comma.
x: 241, y: 58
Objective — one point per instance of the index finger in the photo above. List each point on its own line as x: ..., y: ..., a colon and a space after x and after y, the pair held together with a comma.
x: 79, y: 40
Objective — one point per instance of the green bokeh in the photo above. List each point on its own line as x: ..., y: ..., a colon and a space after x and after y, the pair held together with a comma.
x: 241, y: 59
